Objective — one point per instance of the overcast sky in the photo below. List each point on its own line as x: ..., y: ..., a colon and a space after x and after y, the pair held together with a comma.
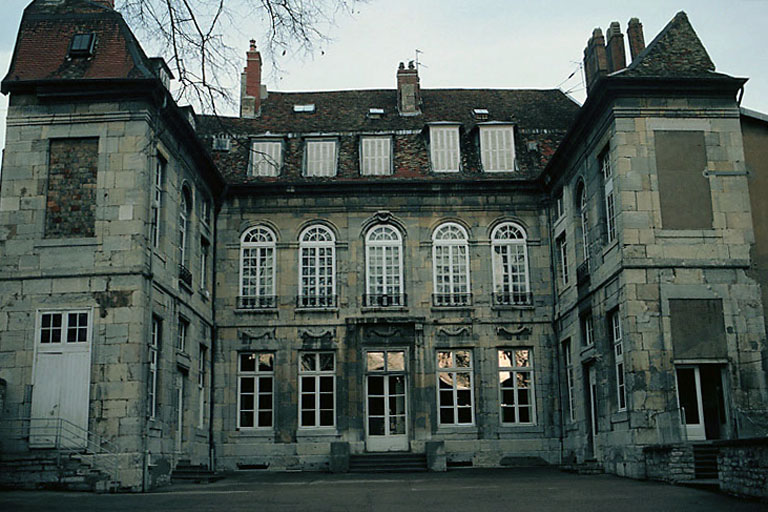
x: 490, y: 43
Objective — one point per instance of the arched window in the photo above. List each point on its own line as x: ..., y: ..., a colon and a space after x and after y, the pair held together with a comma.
x: 384, y: 267
x: 185, y: 213
x: 510, y: 265
x: 257, y: 269
x: 450, y: 261
x: 317, y: 268
x: 583, y: 206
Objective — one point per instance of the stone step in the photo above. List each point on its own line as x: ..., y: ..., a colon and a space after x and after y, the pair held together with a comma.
x: 388, y: 463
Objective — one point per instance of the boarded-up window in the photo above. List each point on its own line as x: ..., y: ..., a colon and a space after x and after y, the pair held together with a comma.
x: 698, y: 329
x: 71, y: 199
x: 686, y: 201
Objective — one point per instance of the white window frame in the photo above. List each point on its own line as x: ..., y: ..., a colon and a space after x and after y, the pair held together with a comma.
x: 569, y: 378
x: 390, y: 249
x: 559, y: 205
x: 258, y: 243
x: 154, y: 353
x: 320, y: 158
x: 618, y: 351
x: 312, y: 292
x: 451, y: 372
x: 185, y: 208
x: 606, y: 169
x: 497, y: 148
x: 375, y: 156
x: 82, y: 334
x: 157, y: 200
x: 316, y: 374
x: 259, y: 376
x: 205, y: 249
x: 182, y: 334
x: 588, y: 329
x: 514, y: 369
x: 444, y: 148
x: 266, y: 158
x: 201, y: 385
x: 205, y: 210
x: 584, y: 219
x: 451, y: 288
x: 562, y: 253
x: 511, y: 280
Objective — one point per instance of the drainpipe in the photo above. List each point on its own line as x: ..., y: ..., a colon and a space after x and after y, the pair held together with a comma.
x: 214, y: 332
x: 555, y: 329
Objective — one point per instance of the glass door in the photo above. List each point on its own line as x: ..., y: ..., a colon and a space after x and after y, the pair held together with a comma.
x: 386, y: 385
x: 689, y: 399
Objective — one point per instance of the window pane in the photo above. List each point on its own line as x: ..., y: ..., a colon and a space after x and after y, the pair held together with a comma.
x: 266, y: 362
x: 446, y: 415
x: 308, y: 361
x: 247, y: 362
x: 463, y: 359
x: 444, y: 360
x: 326, y: 362
x: 375, y: 361
x: 395, y: 361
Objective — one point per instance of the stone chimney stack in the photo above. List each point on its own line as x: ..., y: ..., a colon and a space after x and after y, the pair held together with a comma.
x: 408, y: 93
x: 250, y: 84
x: 635, y: 36
x: 617, y: 58
x: 595, y: 59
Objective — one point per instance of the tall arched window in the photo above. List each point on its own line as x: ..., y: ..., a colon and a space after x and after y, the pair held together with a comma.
x: 257, y: 269
x: 450, y: 261
x: 384, y: 267
x: 583, y: 205
x: 317, y: 268
x: 509, y: 254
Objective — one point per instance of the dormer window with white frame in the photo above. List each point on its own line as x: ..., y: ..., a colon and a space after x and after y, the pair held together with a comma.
x: 375, y: 156
x: 497, y: 148
x: 320, y: 158
x: 444, y: 148
x: 308, y: 108
x: 266, y: 158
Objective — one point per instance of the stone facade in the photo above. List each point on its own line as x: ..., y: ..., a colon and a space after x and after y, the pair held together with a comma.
x: 180, y: 289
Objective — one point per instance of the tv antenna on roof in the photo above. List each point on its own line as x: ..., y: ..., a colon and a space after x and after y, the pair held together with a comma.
x: 417, y: 60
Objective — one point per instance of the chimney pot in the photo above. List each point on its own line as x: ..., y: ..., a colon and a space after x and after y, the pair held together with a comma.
x: 408, y: 90
x: 635, y: 37
x: 250, y: 88
x: 595, y: 59
x: 615, y: 53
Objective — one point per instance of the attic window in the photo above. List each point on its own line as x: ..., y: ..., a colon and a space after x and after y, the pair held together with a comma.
x: 481, y: 114
x: 375, y: 113
x: 221, y: 143
x: 304, y: 108
x: 82, y: 45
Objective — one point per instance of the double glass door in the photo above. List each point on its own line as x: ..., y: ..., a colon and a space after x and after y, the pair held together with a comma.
x: 386, y: 389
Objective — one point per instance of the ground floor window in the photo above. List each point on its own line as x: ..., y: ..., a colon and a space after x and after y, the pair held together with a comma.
x: 454, y: 387
x: 317, y: 384
x: 255, y: 383
x: 516, y: 386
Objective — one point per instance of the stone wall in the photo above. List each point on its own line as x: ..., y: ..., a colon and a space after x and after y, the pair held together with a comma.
x: 743, y: 467
x: 669, y: 463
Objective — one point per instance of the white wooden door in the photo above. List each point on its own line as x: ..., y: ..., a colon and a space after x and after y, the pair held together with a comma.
x: 62, y: 378
x: 690, y: 401
x: 386, y: 391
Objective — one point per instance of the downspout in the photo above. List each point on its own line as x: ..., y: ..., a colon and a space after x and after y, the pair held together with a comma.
x: 214, y: 332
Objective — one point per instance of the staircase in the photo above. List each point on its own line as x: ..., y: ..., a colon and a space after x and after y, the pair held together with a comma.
x: 48, y: 469
x: 185, y: 471
x: 705, y: 461
x: 388, y: 463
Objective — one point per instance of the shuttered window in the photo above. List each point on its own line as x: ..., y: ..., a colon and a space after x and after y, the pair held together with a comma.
x: 320, y: 158
x: 266, y: 158
x: 375, y: 156
x: 444, y: 143
x: 497, y: 148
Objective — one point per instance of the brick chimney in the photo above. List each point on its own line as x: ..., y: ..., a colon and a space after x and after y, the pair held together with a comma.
x: 617, y: 58
x: 105, y: 3
x: 635, y: 36
x: 408, y: 94
x: 250, y: 84
x: 595, y: 59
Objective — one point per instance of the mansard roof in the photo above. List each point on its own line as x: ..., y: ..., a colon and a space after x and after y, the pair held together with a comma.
x: 45, y: 34
x: 540, y: 117
x: 675, y: 52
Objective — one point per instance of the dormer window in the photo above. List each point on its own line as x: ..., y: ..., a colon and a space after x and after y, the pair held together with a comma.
x: 82, y: 45
x: 221, y: 143
x: 497, y: 148
x: 309, y: 108
x: 320, y: 158
x: 481, y: 114
x: 444, y: 148
x: 375, y: 113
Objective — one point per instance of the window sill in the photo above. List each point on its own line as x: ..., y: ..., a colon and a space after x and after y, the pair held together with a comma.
x: 183, y: 360
x: 305, y: 432
x: 317, y: 310
x: 67, y: 242
x: 528, y: 428
x: 620, y: 417
x: 452, y: 308
x: 262, y: 433
x: 587, y: 353
x: 205, y: 294
x: 393, y: 309
x: 256, y: 311
x: 184, y: 286
x: 608, y: 248
x: 457, y: 429
x: 503, y: 307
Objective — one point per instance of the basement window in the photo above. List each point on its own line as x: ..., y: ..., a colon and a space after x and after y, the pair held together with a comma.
x: 82, y: 45
x: 304, y: 108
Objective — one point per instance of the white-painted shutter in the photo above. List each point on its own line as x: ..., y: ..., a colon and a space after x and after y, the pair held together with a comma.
x: 266, y: 158
x: 497, y: 148
x: 445, y: 148
x: 376, y: 156
x: 321, y: 158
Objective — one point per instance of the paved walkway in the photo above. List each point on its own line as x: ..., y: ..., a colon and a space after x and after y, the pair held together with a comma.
x: 518, y: 490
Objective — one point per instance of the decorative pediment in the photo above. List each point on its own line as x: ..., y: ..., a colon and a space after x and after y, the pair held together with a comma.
x: 509, y: 332
x: 385, y: 332
x: 383, y: 216
x: 464, y: 330
x: 310, y: 334
x: 251, y: 335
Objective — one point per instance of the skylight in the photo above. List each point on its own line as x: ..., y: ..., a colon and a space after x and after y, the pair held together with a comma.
x: 82, y: 45
x: 480, y: 113
x: 376, y: 111
x: 304, y: 108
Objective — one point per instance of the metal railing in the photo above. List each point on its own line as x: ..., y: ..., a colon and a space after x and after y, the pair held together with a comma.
x: 512, y: 298
x: 582, y: 274
x: 443, y: 300
x: 316, y: 301
x: 384, y: 300
x: 185, y: 276
x: 257, y: 302
x: 63, y: 436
